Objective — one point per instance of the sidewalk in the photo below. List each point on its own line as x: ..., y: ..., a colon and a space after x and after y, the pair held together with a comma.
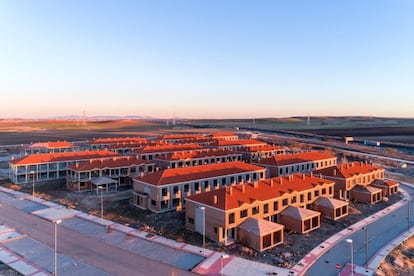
x: 186, y: 256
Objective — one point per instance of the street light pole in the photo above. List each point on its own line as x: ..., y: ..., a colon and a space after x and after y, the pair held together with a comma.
x: 33, y: 182
x: 224, y: 256
x: 203, y: 209
x: 352, y: 255
x: 56, y: 223
x: 101, y: 188
x: 366, y: 246
x: 409, y: 211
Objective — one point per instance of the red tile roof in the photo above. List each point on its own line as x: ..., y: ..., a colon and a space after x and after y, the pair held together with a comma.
x: 295, y: 158
x: 218, y: 135
x: 168, y: 148
x: 115, y: 162
x: 62, y: 157
x: 235, y: 196
x: 349, y: 170
x: 195, y: 154
x: 261, y: 148
x: 179, y: 175
x: 243, y: 142
x: 119, y: 140
x: 51, y: 145
x: 182, y: 136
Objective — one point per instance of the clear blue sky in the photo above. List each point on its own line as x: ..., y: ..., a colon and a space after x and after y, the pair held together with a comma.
x: 207, y: 58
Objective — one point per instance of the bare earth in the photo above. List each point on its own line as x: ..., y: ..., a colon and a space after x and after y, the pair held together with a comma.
x: 400, y: 261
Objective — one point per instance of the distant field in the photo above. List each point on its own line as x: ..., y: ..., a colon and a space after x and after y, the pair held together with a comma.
x: 27, y: 131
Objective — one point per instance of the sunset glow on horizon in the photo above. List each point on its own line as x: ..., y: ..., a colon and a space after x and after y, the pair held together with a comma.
x: 206, y: 59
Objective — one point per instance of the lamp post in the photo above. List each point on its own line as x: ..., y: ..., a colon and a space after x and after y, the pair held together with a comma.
x: 352, y: 255
x: 203, y: 209
x: 409, y: 211
x: 101, y: 188
x: 224, y: 256
x: 366, y: 246
x: 56, y: 222
x: 33, y: 178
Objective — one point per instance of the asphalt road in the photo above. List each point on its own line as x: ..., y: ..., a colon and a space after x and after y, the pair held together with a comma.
x: 108, y: 258
x: 379, y: 232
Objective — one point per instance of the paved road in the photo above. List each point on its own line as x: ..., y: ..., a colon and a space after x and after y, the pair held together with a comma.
x: 380, y: 233
x: 111, y: 259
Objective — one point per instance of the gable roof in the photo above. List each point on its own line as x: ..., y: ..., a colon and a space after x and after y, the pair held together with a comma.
x: 114, y: 162
x: 366, y: 189
x: 63, y: 157
x: 119, y: 140
x: 179, y: 175
x: 295, y: 158
x: 168, y: 148
x: 51, y: 145
x: 196, y: 154
x: 242, y: 142
x: 235, y: 196
x: 349, y: 170
x: 259, y: 227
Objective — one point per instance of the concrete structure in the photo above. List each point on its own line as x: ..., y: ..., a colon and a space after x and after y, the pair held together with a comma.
x: 165, y: 190
x: 228, y: 208
x: 50, y: 166
x: 195, y: 158
x: 83, y: 176
x: 348, y: 176
x: 280, y: 165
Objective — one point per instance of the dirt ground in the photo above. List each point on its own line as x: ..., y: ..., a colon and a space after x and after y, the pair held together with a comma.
x: 400, y: 261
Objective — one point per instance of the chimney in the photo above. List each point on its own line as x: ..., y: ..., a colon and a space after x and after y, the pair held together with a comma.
x: 256, y: 184
x: 303, y: 176
x: 271, y: 182
x: 334, y: 172
x: 243, y: 188
x: 230, y: 190
x: 311, y: 174
x: 290, y: 177
x: 215, y: 199
x: 281, y: 180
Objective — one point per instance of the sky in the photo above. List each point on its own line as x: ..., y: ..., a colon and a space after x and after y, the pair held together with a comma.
x: 206, y: 59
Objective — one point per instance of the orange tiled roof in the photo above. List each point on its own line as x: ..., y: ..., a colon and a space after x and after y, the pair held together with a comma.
x: 222, y: 134
x: 243, y: 142
x: 261, y: 148
x: 178, y: 175
x: 349, y: 170
x: 119, y: 140
x: 235, y: 196
x: 168, y: 148
x: 62, y: 157
x: 115, y: 162
x: 182, y: 136
x: 51, y: 145
x: 195, y: 154
x: 288, y: 159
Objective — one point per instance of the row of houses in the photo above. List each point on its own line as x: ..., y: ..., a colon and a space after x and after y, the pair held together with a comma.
x: 234, y: 189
